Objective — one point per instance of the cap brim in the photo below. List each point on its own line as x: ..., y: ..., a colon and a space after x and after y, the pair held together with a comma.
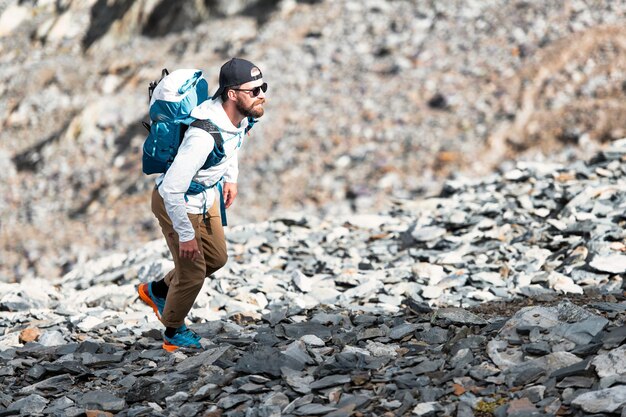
x: 218, y: 93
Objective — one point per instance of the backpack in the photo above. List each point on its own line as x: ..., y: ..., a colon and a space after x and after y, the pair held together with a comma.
x: 172, y: 99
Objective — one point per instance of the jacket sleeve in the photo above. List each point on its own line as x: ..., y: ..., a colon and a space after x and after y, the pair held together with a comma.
x: 232, y: 171
x: 191, y: 155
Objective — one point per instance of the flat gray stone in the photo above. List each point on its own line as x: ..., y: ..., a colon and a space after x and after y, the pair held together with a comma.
x: 52, y: 385
x: 426, y: 409
x: 102, y: 400
x: 297, y: 330
x: 207, y: 391
x: 433, y: 336
x: 268, y: 411
x: 177, y: 399
x: 524, y: 375
x: 426, y: 234
x: 326, y: 318
x: 357, y: 401
x: 547, y: 318
x: 529, y: 371
x: 69, y: 366
x: 459, y: 316
x: 312, y: 340
x: 297, y: 381
x: 614, y: 337
x: 330, y: 381
x: 59, y: 405
x: 581, y: 332
x: 145, y: 389
x: 602, y: 401
x: 230, y: 401
x: 581, y: 368
x: 314, y: 409
x: 266, y: 360
x: 615, y: 264
x: 193, y: 363
x: 298, y: 402
x: 299, y: 353
x: 609, y: 307
x: 426, y: 367
x: 304, y: 283
x: 534, y: 393
x: 101, y: 359
x: 251, y: 388
x: 537, y: 349
x: 611, y: 363
x: 502, y: 355
x: 51, y: 338
x: 402, y: 331
x: 31, y: 405
x: 370, y: 333
x: 576, y: 381
x: 464, y: 410
x: 278, y: 399
x: 346, y: 411
x: 276, y: 315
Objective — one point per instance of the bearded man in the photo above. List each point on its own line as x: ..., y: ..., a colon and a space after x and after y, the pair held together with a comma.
x: 192, y: 222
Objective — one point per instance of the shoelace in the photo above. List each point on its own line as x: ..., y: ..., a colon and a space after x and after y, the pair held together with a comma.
x: 190, y: 333
x: 187, y: 332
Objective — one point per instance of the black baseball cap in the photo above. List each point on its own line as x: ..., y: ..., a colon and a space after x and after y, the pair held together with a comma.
x: 237, y: 71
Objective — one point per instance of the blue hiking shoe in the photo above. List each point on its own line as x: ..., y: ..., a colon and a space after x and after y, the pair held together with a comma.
x: 184, y: 337
x: 192, y: 334
x: 148, y: 297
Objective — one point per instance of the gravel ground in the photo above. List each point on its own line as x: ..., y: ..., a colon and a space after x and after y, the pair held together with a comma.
x: 369, y: 101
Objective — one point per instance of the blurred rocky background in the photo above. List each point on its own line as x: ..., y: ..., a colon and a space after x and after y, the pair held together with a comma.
x: 369, y: 102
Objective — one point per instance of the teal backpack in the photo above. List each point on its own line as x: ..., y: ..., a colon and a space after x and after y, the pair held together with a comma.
x: 171, y: 101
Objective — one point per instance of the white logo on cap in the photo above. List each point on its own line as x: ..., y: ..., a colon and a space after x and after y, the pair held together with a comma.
x: 255, y: 72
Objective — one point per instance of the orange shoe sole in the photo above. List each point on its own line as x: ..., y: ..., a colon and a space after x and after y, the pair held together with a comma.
x: 169, y: 347
x: 142, y: 289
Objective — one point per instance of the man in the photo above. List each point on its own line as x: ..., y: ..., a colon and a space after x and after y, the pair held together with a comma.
x: 193, y: 223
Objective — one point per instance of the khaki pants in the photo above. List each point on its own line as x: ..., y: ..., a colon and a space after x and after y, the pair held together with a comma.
x: 186, y: 279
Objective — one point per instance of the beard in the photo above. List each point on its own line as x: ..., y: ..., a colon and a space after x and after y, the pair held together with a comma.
x: 255, y: 110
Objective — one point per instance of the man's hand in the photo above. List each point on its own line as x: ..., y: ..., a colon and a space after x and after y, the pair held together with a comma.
x: 230, y: 192
x: 189, y: 250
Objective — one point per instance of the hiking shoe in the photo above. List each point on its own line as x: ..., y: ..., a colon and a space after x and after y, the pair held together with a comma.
x: 192, y: 334
x: 148, y: 297
x: 183, y: 337
x: 184, y: 328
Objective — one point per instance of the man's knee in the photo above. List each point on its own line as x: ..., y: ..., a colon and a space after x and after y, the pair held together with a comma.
x: 216, y: 262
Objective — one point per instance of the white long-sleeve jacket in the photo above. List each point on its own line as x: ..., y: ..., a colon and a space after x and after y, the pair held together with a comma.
x: 196, y: 146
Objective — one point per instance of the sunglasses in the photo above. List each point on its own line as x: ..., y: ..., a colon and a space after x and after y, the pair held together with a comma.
x: 255, y: 91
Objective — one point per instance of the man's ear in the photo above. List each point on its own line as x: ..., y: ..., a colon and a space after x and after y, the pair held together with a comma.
x: 232, y: 94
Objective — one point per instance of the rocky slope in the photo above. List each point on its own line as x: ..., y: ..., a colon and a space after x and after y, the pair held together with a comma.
x: 501, y: 297
x: 369, y: 101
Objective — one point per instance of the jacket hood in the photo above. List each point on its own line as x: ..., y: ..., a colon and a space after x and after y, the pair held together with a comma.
x: 213, y: 110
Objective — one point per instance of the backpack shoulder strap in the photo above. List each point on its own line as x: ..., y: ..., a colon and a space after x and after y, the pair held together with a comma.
x: 210, y: 127
x: 251, y: 122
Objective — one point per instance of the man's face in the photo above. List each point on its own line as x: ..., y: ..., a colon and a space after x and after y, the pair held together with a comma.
x: 247, y: 103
